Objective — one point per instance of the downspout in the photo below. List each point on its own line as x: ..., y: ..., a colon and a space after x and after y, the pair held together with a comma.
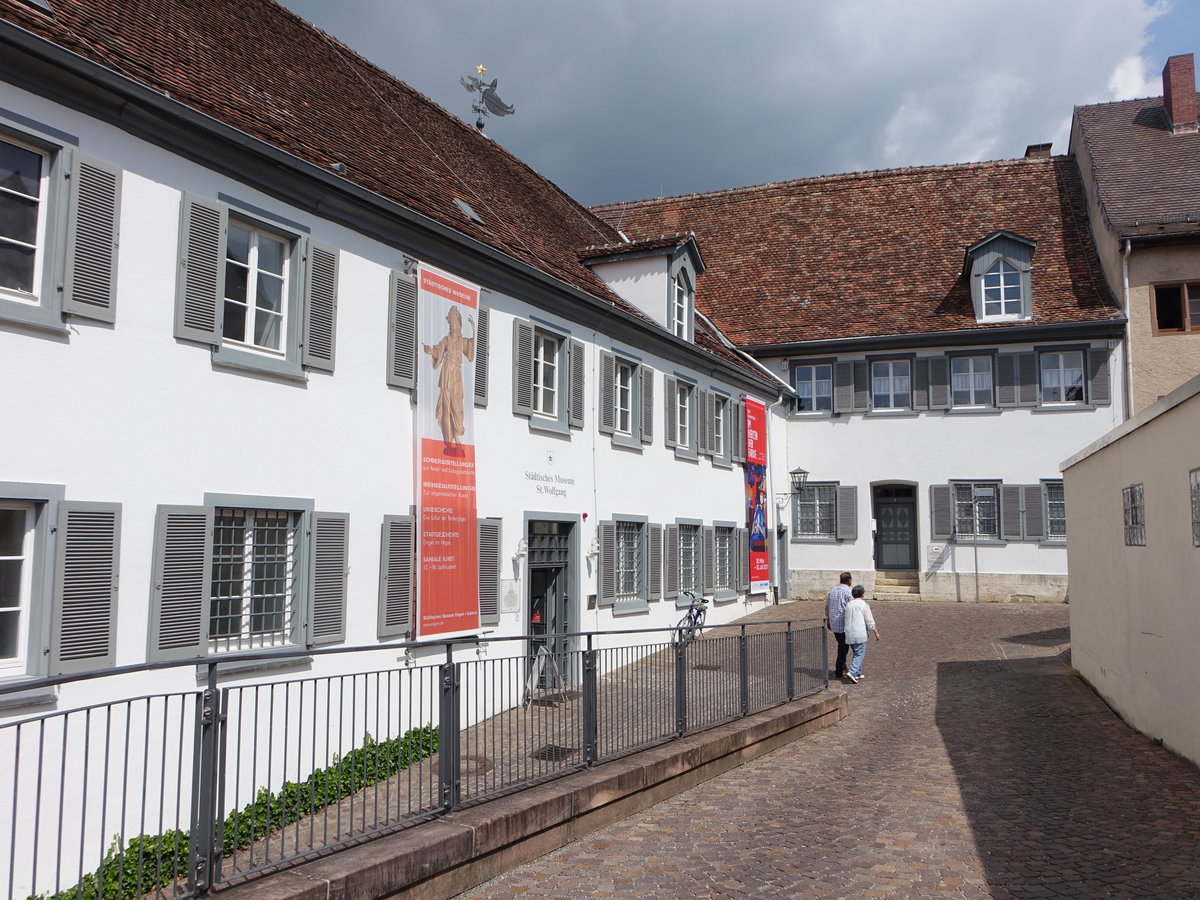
x: 1127, y: 373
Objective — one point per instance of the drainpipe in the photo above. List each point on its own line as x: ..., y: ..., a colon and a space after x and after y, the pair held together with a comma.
x: 1127, y: 376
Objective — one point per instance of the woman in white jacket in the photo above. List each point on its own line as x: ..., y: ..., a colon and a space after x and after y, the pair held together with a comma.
x: 859, y: 622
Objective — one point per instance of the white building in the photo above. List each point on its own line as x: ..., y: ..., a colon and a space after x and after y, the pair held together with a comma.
x: 949, y: 335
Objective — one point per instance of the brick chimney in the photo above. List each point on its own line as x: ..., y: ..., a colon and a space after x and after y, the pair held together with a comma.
x: 1037, y: 151
x: 1179, y: 93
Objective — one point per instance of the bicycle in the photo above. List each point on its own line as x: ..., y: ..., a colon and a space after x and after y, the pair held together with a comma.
x: 689, y: 627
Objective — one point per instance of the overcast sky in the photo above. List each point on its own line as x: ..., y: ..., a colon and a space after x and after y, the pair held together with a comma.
x: 628, y: 99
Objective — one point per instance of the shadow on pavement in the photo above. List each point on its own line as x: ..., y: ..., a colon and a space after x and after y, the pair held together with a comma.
x: 1052, y: 637
x: 1063, y: 798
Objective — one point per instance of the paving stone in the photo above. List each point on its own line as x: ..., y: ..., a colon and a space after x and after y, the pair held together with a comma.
x: 973, y: 763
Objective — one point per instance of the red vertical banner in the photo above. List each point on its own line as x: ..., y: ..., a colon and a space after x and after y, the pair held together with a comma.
x: 756, y: 496
x: 447, y: 539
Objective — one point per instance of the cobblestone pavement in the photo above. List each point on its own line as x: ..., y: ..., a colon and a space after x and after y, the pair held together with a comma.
x: 973, y: 764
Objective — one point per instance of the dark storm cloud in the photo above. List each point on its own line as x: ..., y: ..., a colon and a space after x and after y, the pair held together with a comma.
x: 640, y: 98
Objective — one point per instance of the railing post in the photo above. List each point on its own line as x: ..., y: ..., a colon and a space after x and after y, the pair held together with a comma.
x: 744, y: 671
x: 789, y: 658
x: 680, y: 687
x: 591, y: 706
x: 448, y: 746
x: 825, y: 655
x: 202, y: 848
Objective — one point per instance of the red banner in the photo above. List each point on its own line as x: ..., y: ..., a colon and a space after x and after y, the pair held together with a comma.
x: 756, y: 496
x: 447, y: 537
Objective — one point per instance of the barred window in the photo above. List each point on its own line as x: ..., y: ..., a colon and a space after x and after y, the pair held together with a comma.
x: 629, y: 560
x: 816, y: 511
x: 253, y: 578
x: 1056, y: 511
x: 976, y: 510
x: 1133, y: 501
x: 723, y: 561
x: 689, y: 560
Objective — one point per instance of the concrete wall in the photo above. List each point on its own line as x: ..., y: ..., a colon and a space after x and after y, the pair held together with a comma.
x: 1134, y: 616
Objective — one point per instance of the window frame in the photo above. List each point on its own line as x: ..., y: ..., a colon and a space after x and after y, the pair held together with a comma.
x: 726, y: 574
x: 1189, y: 319
x: 1194, y: 485
x: 681, y: 305
x: 1050, y: 504
x: 891, y: 362
x: 695, y: 530
x: 1133, y: 508
x: 546, y: 370
x: 640, y: 400
x: 951, y: 360
x: 1084, y: 372
x: 682, y: 394
x: 257, y: 235
x: 799, y: 503
x: 568, y: 372
x: 974, y: 535
x: 23, y: 610
x: 1003, y: 267
x: 796, y: 367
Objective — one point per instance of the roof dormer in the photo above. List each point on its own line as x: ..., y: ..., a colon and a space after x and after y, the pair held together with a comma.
x: 657, y: 276
x: 1000, y: 269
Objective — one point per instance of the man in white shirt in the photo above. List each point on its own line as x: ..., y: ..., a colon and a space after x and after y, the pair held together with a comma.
x: 835, y: 613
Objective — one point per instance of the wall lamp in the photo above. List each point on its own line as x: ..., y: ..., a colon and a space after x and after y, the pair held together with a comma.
x: 797, y: 477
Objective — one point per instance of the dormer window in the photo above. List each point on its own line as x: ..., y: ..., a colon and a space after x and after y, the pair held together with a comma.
x: 681, y: 306
x: 1002, y: 294
x: 1000, y: 269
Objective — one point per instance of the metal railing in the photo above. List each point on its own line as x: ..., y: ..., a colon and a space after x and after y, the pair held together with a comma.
x: 175, y: 793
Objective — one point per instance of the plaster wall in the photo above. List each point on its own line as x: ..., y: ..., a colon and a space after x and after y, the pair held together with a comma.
x: 1163, y: 361
x: 1133, y: 609
x: 645, y: 282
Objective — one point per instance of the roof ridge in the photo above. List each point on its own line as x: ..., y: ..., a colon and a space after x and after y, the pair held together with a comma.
x: 843, y: 177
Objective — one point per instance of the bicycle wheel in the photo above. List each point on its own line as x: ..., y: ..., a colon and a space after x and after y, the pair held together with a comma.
x: 685, y: 630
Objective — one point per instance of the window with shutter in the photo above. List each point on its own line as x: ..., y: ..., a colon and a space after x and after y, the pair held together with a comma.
x: 725, y: 564
x: 262, y: 294
x: 29, y: 529
x: 683, y: 417
x: 548, y: 378
x: 59, y: 214
x: 626, y: 393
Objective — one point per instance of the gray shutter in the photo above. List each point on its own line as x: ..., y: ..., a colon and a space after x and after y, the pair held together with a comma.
x: 739, y: 432
x: 743, y: 560
x: 320, y: 306
x: 402, y: 331
x: 862, y: 386
x: 1035, y: 512
x: 83, y: 619
x: 703, y: 424
x: 843, y: 387
x: 654, y: 567
x: 522, y: 368
x: 1006, y: 379
x: 482, y: 327
x: 1010, y: 512
x: 708, y: 535
x: 941, y: 512
x: 90, y: 286
x: 920, y: 383
x: 671, y: 562
x: 489, y: 571
x: 847, y: 512
x: 575, y: 354
x: 327, y: 576
x: 606, y: 535
x: 1099, y: 390
x: 939, y: 383
x: 647, y: 378
x: 179, y: 582
x: 396, y: 576
x: 1027, y: 379
x: 608, y: 411
x: 669, y: 411
x: 201, y: 287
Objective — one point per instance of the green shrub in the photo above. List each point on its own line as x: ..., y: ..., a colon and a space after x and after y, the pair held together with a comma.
x: 148, y: 862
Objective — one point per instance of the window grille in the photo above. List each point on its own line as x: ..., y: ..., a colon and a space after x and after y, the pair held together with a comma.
x: 723, y: 559
x: 1056, y: 511
x: 253, y: 579
x: 976, y: 510
x: 1195, y: 479
x: 629, y: 561
x: 816, y: 511
x: 689, y: 559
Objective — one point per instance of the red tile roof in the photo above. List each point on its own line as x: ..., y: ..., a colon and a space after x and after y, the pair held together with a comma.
x: 1147, y: 178
x: 878, y: 253
x: 255, y: 66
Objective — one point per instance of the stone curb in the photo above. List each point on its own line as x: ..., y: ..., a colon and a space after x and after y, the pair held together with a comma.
x: 453, y: 853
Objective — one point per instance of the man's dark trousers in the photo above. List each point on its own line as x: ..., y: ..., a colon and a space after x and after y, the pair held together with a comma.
x: 839, y: 667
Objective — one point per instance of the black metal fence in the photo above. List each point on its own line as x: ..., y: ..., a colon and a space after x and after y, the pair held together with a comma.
x: 176, y: 793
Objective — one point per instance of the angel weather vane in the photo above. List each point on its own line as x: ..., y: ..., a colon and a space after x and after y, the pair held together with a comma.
x: 488, y: 103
